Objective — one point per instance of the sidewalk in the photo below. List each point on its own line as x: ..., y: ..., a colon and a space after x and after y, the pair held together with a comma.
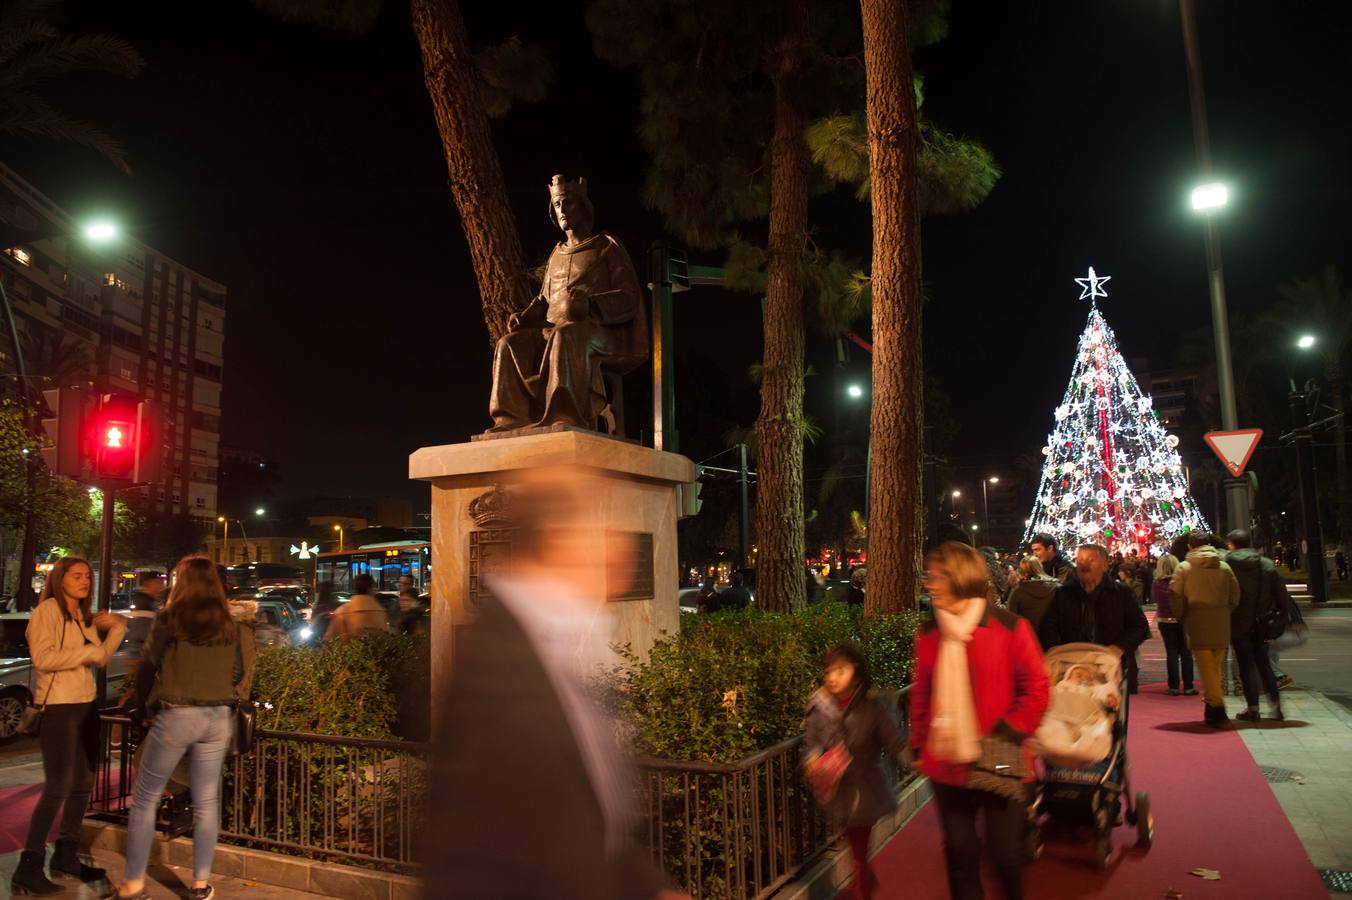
x: 161, y: 882
x: 1215, y: 805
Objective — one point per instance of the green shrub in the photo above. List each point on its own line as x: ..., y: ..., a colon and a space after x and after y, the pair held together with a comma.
x: 351, y: 690
x: 730, y: 684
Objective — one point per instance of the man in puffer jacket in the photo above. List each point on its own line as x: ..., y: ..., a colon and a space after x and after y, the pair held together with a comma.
x: 1204, y: 592
x: 1260, y: 588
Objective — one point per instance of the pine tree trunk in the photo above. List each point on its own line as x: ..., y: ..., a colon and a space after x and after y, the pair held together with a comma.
x: 476, y: 181
x: 780, y: 575
x: 897, y: 509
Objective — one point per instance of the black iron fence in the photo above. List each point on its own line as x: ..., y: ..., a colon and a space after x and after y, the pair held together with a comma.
x: 353, y: 800
x: 738, y: 830
x: 721, y: 830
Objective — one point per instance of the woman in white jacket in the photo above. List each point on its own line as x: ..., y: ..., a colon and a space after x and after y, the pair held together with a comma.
x: 64, y: 643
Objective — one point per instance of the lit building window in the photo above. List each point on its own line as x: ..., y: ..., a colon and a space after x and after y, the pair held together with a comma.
x: 20, y: 255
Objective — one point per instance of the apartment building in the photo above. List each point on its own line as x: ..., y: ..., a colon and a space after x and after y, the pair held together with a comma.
x: 147, y: 325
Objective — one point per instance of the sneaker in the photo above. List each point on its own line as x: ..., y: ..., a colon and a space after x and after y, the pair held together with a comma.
x: 1249, y: 715
x: 1283, y: 682
x: 205, y: 893
x: 1190, y: 692
x: 1172, y: 692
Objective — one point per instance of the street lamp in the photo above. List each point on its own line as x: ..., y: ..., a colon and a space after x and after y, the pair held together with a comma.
x: 856, y: 392
x: 1306, y: 341
x: 339, y: 528
x: 101, y: 231
x: 1303, y: 405
x: 244, y: 532
x: 985, y: 508
x: 260, y: 512
x: 974, y: 527
x: 225, y: 539
x: 1207, y: 198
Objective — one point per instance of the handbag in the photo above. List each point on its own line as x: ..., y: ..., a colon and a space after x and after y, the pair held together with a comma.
x: 827, y: 771
x: 241, y: 742
x: 30, y: 720
x: 1001, y: 769
x: 1274, y: 618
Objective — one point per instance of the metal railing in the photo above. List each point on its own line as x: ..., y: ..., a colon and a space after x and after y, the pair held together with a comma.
x: 354, y: 800
x: 737, y: 830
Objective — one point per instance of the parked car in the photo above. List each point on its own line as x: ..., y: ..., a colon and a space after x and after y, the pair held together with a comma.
x: 292, y: 597
x: 276, y: 624
x: 17, y: 676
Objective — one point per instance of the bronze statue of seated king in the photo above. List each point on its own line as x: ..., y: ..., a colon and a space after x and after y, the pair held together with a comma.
x: 587, y: 322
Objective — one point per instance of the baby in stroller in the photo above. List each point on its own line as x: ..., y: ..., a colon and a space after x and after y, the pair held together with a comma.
x: 1077, y: 729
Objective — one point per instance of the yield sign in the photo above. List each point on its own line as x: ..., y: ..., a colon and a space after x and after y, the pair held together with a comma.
x: 1234, y: 447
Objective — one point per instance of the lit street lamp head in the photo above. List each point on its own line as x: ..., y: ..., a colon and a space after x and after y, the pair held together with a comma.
x: 855, y: 391
x: 100, y: 232
x: 994, y: 479
x: 1306, y: 341
x: 260, y: 511
x: 1206, y: 197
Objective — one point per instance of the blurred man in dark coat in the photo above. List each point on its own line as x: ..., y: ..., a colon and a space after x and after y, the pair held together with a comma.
x: 530, y: 793
x: 1092, y: 608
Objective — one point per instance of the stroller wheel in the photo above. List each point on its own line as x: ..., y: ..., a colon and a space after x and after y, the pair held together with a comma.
x: 1145, y: 823
x: 1103, y: 851
x: 1032, y: 845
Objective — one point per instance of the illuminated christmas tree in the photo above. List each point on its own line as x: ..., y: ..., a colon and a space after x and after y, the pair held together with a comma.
x: 1112, y: 476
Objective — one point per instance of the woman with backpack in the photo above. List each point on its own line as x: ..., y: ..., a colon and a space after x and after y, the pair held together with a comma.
x: 198, y: 665
x: 65, y: 647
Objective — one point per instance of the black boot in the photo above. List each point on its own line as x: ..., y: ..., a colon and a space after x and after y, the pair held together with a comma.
x: 1216, y: 716
x: 29, y: 877
x: 66, y: 860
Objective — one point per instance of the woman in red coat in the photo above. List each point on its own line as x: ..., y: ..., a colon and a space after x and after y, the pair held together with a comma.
x: 980, y: 691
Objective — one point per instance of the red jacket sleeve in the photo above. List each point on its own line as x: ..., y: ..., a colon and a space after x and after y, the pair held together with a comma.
x: 1030, y: 682
x: 918, y: 698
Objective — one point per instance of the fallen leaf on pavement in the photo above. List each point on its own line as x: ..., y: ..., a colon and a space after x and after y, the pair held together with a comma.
x: 1172, y: 894
x: 251, y: 884
x: 1207, y: 874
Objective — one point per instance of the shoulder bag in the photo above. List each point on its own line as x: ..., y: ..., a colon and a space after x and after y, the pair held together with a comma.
x: 1273, y: 616
x: 241, y: 741
x: 30, y: 720
x: 1002, y: 768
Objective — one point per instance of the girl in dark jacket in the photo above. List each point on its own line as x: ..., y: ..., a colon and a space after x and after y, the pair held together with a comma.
x: 846, y: 716
x: 979, y: 693
x: 199, y: 661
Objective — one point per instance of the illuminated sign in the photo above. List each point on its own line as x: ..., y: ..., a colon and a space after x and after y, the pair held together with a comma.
x: 304, y: 551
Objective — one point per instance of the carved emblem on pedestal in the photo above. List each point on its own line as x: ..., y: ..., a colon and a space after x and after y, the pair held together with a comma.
x: 490, y: 544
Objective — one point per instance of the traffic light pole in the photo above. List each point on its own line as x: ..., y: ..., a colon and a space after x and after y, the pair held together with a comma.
x: 105, y: 597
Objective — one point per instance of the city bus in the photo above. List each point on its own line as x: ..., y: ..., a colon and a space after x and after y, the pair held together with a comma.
x: 385, y: 562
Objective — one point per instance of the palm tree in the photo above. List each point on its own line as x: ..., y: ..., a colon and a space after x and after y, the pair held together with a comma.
x: 1321, y: 307
x: 33, y: 52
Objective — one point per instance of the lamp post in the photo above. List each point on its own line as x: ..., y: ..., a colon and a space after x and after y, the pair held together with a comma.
x: 856, y: 392
x: 985, y: 507
x: 100, y: 232
x: 953, y: 503
x: 1303, y: 404
x: 339, y: 528
x: 974, y: 528
x: 1207, y: 198
x: 244, y: 532
x: 225, y: 539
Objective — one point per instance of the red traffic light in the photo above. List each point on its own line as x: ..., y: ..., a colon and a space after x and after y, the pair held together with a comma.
x: 115, y: 438
x: 115, y: 435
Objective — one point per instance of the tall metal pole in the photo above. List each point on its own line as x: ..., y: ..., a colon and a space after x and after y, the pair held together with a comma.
x: 1309, y: 498
x: 744, y: 519
x: 664, y: 387
x: 985, y: 510
x: 1236, y: 490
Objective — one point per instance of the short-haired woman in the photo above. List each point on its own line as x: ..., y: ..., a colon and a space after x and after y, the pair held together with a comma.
x: 979, y: 692
x: 64, y: 644
x: 199, y: 663
x: 1034, y: 592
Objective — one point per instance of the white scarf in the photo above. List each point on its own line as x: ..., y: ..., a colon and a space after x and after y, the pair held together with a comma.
x: 955, y: 735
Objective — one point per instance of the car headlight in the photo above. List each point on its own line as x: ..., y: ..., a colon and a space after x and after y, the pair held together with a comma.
x: 306, y: 633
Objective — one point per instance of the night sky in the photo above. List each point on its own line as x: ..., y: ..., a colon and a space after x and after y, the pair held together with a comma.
x: 302, y: 168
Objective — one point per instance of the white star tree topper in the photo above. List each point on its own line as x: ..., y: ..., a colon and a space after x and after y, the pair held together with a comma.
x: 1093, y: 285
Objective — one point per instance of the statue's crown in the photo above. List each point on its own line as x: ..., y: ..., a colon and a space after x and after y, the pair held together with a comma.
x: 561, y: 187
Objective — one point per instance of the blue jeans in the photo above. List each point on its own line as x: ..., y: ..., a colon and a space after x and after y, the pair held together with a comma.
x: 204, y: 732
x: 1176, y: 654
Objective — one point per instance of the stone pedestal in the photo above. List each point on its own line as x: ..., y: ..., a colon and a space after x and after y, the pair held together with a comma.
x: 625, y: 489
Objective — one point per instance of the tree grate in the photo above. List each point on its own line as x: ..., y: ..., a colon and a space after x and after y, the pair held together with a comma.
x: 1338, y: 881
x: 1275, y: 775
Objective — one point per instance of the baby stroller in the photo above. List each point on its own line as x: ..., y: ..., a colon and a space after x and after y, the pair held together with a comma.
x: 1083, y: 746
